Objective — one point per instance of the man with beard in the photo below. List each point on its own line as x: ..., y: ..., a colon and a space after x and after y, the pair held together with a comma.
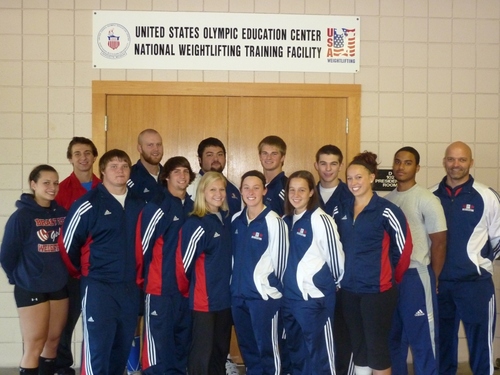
x: 212, y: 157
x: 144, y: 182
x: 466, y: 290
x: 144, y: 174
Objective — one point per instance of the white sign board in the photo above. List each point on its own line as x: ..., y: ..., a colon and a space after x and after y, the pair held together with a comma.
x: 225, y: 41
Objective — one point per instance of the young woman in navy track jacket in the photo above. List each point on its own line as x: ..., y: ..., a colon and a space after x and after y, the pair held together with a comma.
x: 31, y: 259
x: 377, y: 245
x: 313, y: 272
x: 204, y: 273
x: 260, y: 247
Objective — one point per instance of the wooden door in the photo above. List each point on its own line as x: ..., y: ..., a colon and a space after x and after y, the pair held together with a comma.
x: 306, y: 116
x: 181, y: 121
x: 305, y: 124
x: 239, y: 114
x: 240, y: 123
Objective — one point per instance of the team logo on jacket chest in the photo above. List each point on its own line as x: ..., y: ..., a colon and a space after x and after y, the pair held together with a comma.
x: 257, y: 236
x: 302, y: 232
x: 44, y: 235
x: 468, y: 207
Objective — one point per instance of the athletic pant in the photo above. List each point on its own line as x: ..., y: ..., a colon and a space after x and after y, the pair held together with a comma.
x: 211, y: 337
x: 369, y: 320
x: 109, y: 313
x: 472, y: 302
x: 167, y: 334
x: 415, y: 323
x: 64, y: 354
x: 309, y: 334
x: 256, y: 325
x: 286, y: 362
x: 344, y: 364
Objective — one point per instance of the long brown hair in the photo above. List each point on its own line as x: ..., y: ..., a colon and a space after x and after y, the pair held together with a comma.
x: 311, y: 183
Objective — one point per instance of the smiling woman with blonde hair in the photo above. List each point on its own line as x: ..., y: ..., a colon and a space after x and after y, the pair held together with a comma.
x: 203, y: 274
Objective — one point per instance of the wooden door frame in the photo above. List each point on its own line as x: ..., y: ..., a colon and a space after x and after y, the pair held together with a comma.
x: 351, y: 92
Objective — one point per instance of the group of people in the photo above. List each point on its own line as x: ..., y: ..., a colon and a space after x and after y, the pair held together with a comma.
x: 317, y: 278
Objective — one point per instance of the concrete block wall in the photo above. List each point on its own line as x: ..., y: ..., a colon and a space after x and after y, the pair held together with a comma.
x: 429, y: 74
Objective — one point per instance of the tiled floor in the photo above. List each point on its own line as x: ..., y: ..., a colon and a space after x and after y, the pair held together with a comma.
x: 463, y: 369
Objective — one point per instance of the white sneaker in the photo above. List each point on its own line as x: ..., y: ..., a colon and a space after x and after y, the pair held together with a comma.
x: 231, y: 368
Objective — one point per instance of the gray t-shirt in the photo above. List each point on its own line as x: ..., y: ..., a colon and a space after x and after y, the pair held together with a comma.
x: 425, y: 216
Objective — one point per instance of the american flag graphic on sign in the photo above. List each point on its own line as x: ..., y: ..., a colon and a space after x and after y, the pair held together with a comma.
x: 344, y: 42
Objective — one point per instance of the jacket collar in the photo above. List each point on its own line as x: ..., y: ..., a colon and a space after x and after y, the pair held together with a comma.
x: 465, y: 188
